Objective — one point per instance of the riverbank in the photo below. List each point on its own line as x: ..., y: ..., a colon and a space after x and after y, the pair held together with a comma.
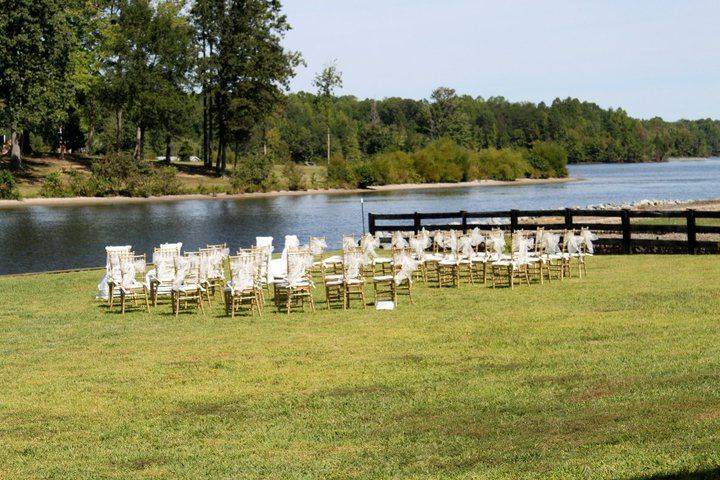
x: 68, y: 201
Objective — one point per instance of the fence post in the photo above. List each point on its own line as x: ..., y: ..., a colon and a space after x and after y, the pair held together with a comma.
x: 568, y: 219
x: 463, y: 216
x: 371, y: 223
x: 626, y: 234
x: 513, y: 220
x: 416, y: 223
x: 691, y: 232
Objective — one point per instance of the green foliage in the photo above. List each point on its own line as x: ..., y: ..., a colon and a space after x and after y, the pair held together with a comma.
x: 252, y: 174
x: 340, y: 173
x: 116, y: 175
x: 185, y: 151
x: 8, y: 186
x: 54, y: 186
x: 549, y: 159
x: 294, y: 176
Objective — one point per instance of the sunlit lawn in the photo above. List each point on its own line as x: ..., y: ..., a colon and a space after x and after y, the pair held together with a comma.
x: 613, y: 376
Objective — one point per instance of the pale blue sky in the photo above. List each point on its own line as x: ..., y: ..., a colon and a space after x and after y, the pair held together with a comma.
x: 650, y: 57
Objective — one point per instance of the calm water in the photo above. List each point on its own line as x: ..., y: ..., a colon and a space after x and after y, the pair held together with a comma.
x: 51, y: 238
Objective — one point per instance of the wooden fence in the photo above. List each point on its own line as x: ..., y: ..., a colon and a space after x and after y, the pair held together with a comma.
x: 616, y: 232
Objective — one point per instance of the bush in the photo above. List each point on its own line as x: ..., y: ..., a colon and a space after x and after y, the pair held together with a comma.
x: 340, y: 173
x: 549, y: 159
x: 53, y: 186
x: 8, y: 186
x: 185, y: 151
x: 253, y: 174
x: 294, y: 176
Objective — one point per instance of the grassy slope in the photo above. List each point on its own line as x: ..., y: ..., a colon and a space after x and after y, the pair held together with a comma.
x: 191, y: 175
x: 614, y: 376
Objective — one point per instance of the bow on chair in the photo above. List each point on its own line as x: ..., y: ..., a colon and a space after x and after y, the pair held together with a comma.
x: 418, y: 247
x: 425, y: 235
x: 466, y: 246
x: 407, y: 266
x: 476, y: 238
x: 497, y: 242
x: 551, y: 242
x: 317, y: 245
x: 398, y: 241
x: 587, y: 238
x: 368, y: 244
x: 573, y: 243
x: 439, y: 238
x: 243, y: 273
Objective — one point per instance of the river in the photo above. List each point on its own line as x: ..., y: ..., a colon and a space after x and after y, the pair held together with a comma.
x: 41, y: 238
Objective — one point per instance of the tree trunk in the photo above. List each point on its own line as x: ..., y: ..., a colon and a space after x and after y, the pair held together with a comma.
x: 168, y: 140
x: 237, y: 152
x: 25, y: 142
x: 16, y: 151
x: 328, y: 145
x: 91, y: 129
x: 206, y: 153
x: 118, y: 131
x: 138, y: 141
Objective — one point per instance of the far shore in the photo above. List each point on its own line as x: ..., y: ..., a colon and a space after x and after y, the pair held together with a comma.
x: 66, y: 201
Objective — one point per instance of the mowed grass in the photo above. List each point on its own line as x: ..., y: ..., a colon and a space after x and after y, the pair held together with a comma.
x: 614, y: 376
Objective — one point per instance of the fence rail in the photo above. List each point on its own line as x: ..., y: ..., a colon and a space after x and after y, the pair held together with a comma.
x: 569, y: 219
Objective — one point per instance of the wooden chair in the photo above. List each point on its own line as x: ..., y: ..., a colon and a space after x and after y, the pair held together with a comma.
x: 163, y: 277
x: 187, y: 291
x: 243, y: 289
x: 112, y: 271
x: 353, y: 281
x: 132, y: 284
x: 400, y: 282
x: 296, y: 287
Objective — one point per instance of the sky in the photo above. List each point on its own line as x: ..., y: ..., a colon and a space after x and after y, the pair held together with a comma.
x: 651, y: 58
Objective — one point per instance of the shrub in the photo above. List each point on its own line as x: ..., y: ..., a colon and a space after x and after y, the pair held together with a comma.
x: 164, y: 181
x: 549, y: 159
x: 252, y: 174
x: 340, y: 173
x: 53, y: 186
x: 185, y: 151
x: 8, y: 186
x: 294, y: 176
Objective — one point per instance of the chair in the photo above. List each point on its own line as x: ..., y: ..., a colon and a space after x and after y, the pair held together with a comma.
x: 571, y: 250
x: 353, y: 281
x: 243, y: 289
x: 187, y: 290
x: 587, y: 248
x: 400, y: 282
x: 212, y: 260
x: 295, y: 287
x: 162, y: 277
x: 132, y: 284
x: 106, y: 287
x: 506, y: 270
x: 371, y: 260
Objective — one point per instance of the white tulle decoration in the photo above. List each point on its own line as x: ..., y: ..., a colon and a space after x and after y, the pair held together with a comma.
x: 588, y: 238
x: 398, y: 241
x: 476, y: 238
x: 407, y: 266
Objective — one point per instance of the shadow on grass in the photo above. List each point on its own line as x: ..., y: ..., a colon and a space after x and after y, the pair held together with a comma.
x: 708, y: 474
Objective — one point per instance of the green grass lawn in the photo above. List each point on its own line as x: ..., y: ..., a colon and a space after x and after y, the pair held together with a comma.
x: 614, y: 376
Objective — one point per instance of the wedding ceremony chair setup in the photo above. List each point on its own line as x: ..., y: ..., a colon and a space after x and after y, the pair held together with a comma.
x: 189, y: 281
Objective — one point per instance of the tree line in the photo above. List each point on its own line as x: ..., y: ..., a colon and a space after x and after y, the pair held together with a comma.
x: 210, y: 79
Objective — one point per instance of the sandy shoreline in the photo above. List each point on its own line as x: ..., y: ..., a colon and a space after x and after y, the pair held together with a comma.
x: 41, y: 201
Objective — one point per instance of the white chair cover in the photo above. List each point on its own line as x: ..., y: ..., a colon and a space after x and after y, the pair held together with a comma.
x: 407, y: 266
x: 369, y: 243
x: 476, y: 238
x: 587, y: 238
x: 297, y: 265
x: 466, y: 246
x: 112, y: 269
x: 572, y: 242
x: 243, y: 270
x: 418, y: 247
x: 551, y: 242
x: 317, y: 245
x: 348, y: 242
x: 398, y: 240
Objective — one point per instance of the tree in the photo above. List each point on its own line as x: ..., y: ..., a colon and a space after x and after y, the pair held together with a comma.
x: 326, y: 82
x: 148, y: 66
x: 34, y: 53
x: 248, y: 67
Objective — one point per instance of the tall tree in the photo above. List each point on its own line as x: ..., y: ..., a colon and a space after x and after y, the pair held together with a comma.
x: 34, y: 56
x: 326, y: 81
x: 252, y: 68
x: 148, y: 66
